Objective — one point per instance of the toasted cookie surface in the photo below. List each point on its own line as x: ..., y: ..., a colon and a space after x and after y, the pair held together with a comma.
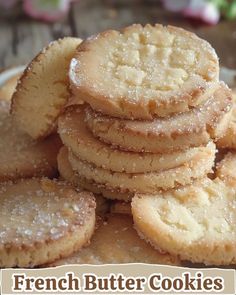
x: 43, y: 89
x: 146, y: 71
x: 20, y: 155
x: 226, y: 169
x: 115, y: 241
x: 41, y: 221
x: 193, y: 128
x: 228, y: 140
x: 77, y: 137
x: 150, y: 182
x: 68, y: 174
x: 196, y: 222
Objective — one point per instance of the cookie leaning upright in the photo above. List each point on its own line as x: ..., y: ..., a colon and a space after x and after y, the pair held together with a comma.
x: 143, y: 72
x: 43, y: 89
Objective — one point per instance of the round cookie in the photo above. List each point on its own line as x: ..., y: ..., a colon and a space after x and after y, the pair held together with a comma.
x: 43, y: 89
x: 68, y: 174
x: 179, y: 132
x: 226, y: 169
x: 143, y: 72
x: 228, y: 140
x: 115, y: 241
x: 147, y: 182
x: 82, y: 143
x: 41, y: 221
x: 196, y: 222
x: 21, y: 156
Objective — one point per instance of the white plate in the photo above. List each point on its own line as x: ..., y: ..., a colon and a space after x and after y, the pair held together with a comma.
x: 7, y: 74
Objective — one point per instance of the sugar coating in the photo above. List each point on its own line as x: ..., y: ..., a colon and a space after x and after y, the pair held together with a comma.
x: 228, y: 140
x: 80, y: 140
x: 196, y: 222
x: 225, y: 169
x: 36, y: 211
x: 66, y: 172
x: 20, y: 155
x: 147, y: 66
x: 155, y: 58
x: 150, y: 182
x: 162, y: 135
x: 115, y: 241
x: 43, y: 88
x: 152, y: 62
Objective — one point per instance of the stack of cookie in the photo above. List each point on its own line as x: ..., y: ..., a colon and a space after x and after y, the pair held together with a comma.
x: 155, y: 104
x: 44, y: 220
x: 155, y: 107
x: 153, y: 112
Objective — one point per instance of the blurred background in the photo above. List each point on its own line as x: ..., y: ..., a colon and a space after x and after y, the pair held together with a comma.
x: 27, y: 26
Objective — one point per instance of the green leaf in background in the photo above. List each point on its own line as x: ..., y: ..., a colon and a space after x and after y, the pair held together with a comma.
x: 231, y: 11
x: 46, y: 10
x: 46, y: 4
x: 226, y: 7
x: 220, y: 4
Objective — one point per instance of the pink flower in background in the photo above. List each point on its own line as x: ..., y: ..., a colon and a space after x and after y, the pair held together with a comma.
x: 208, y: 11
x: 204, y: 10
x: 45, y: 10
x: 199, y: 9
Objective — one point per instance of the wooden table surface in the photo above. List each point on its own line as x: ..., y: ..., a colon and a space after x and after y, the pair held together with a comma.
x: 21, y: 38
